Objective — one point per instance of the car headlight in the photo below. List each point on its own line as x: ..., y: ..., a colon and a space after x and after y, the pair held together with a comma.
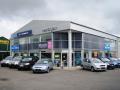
x: 16, y: 63
x: 44, y: 67
x: 97, y: 66
x: 7, y: 62
x: 27, y: 63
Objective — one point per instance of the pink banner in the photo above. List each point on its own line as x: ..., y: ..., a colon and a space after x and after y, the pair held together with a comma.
x: 49, y: 44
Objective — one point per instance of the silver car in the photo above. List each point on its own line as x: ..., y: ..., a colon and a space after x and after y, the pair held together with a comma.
x: 6, y: 61
x: 43, y: 65
x: 15, y: 62
x: 94, y: 64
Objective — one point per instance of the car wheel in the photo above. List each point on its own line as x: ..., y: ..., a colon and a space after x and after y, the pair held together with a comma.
x: 2, y: 65
x: 34, y: 72
x: 52, y: 68
x: 92, y: 69
x: 10, y: 66
x: 83, y: 68
x: 48, y: 70
x: 19, y: 69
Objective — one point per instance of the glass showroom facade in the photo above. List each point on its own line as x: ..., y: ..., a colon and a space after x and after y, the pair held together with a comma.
x: 56, y: 45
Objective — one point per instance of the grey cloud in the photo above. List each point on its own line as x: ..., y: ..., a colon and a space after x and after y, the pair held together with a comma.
x: 100, y: 14
x: 20, y: 7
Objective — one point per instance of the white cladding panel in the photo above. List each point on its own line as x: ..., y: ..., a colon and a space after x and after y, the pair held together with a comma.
x: 44, y: 26
x: 91, y: 31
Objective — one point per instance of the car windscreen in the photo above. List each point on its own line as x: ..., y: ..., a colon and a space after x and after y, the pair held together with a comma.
x: 42, y: 62
x: 114, y: 59
x: 17, y: 58
x: 95, y: 60
x: 105, y: 60
x: 27, y: 59
x: 9, y: 58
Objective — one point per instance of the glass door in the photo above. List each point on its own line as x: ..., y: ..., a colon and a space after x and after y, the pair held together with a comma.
x: 64, y: 59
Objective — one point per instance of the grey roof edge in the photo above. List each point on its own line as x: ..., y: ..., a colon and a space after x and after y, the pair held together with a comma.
x: 40, y: 20
x: 94, y: 29
x: 69, y: 22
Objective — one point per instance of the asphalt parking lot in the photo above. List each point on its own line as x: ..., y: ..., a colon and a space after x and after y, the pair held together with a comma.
x: 11, y: 79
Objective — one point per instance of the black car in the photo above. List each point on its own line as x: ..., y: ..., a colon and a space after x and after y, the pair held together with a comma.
x: 110, y: 64
x: 27, y: 63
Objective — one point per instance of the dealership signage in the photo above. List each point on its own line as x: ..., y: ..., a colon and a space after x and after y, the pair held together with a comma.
x: 43, y: 45
x: 49, y: 44
x: 4, y: 42
x: 24, y: 34
x: 15, y: 47
x: 107, y: 46
x: 51, y: 29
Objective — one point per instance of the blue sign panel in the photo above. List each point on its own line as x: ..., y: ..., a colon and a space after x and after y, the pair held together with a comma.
x: 24, y: 34
x: 107, y: 46
x: 15, y: 47
x: 43, y: 45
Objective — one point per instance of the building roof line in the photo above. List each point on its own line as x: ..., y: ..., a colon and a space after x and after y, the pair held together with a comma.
x: 94, y: 29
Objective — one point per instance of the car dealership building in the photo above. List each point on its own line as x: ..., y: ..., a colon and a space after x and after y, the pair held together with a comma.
x: 65, y: 42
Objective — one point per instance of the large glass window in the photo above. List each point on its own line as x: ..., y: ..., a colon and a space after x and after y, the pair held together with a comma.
x: 24, y: 43
x: 60, y: 39
x: 24, y: 40
x: 98, y: 43
x: 24, y: 47
x: 34, y: 39
x: 45, y: 37
x: 15, y: 42
x: 93, y: 42
x: 76, y: 39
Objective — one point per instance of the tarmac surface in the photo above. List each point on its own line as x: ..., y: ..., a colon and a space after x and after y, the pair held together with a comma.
x: 12, y: 79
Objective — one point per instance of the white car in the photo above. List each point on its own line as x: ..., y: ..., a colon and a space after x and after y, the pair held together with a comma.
x: 94, y: 64
x: 43, y: 66
x: 15, y: 62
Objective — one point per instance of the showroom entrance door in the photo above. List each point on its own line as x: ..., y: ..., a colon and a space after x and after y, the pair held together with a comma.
x: 64, y: 59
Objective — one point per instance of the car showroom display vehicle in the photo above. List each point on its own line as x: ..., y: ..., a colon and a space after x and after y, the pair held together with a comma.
x: 94, y: 64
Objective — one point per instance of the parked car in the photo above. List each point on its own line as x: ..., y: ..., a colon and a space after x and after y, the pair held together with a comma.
x: 15, y: 62
x: 110, y: 65
x: 5, y: 62
x: 27, y: 63
x: 118, y: 61
x: 94, y: 64
x: 43, y: 65
x: 115, y: 62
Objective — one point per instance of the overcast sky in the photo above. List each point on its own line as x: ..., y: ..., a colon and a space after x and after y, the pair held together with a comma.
x: 103, y: 15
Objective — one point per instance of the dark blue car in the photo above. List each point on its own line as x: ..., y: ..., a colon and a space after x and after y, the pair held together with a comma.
x: 110, y: 64
x: 116, y: 62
